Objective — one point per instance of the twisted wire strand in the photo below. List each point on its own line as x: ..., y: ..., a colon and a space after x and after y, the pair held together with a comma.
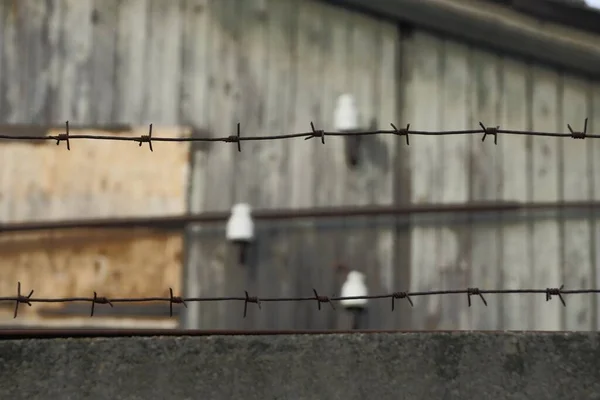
x: 237, y: 138
x: 28, y: 299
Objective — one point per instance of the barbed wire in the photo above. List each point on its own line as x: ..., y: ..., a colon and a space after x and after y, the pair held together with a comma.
x: 316, y: 297
x: 312, y: 134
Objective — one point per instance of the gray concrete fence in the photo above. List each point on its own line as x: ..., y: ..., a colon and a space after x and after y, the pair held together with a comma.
x: 468, y: 365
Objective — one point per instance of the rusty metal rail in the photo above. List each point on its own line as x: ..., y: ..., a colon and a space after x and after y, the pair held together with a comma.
x: 178, y: 222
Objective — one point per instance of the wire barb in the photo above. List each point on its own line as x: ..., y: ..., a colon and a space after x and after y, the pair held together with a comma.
x: 491, y: 130
x: 174, y: 300
x: 579, y: 135
x: 250, y: 299
x: 402, y: 132
x: 475, y: 292
x: 235, y: 138
x: 401, y: 295
x: 556, y: 292
x: 147, y: 138
x: 322, y: 299
x: 99, y: 300
x: 64, y: 136
x: 316, y: 133
x: 21, y: 299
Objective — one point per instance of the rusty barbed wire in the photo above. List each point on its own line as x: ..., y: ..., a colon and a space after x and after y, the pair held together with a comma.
x: 247, y: 299
x: 312, y: 134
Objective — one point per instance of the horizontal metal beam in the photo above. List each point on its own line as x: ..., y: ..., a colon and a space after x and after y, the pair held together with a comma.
x: 458, y: 20
x: 179, y: 222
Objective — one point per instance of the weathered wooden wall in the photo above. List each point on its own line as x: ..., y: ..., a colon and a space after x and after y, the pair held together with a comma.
x: 96, y: 179
x: 276, y: 69
x: 277, y: 65
x: 451, y: 86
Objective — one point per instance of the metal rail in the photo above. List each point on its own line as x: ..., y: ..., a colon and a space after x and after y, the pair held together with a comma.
x: 178, y: 222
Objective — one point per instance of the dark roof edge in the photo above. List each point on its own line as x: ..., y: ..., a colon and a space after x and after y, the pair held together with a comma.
x: 463, y: 24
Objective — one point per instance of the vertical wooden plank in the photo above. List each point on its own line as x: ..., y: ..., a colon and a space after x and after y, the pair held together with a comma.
x: 337, y: 67
x: 163, y: 62
x: 131, y: 61
x: 387, y: 112
x: 251, y: 70
x: 105, y: 17
x: 251, y: 173
x: 194, y: 111
x: 516, y: 268
x: 308, y: 108
x: 222, y: 88
x: 13, y: 99
x: 453, y: 258
x: 281, y: 77
x: 195, y: 57
x: 36, y: 92
x: 281, y: 44
x: 403, y: 181
x: 485, y: 181
x: 357, y: 243
x: 26, y: 50
x: 223, y: 116
x: 594, y: 127
x: 328, y: 160
x: 362, y: 179
x: 74, y: 91
x: 307, y: 102
x: 576, y: 186
x: 422, y: 109
x: 545, y: 162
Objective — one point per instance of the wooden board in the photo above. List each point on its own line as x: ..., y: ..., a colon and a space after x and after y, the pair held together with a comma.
x: 308, y: 105
x: 102, y: 61
x: 71, y: 61
x: 484, y: 182
x: 390, y: 275
x: 131, y: 62
x: 216, y: 190
x: 545, y: 187
x: 272, y: 189
x: 453, y: 258
x: 28, y: 49
x: 162, y: 90
x: 516, y: 267
x: 97, y: 178
x: 576, y: 186
x: 594, y: 127
x: 75, y: 263
x: 194, y: 109
x: 423, y: 106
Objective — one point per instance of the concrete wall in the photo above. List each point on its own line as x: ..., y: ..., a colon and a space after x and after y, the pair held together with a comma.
x: 337, y: 366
